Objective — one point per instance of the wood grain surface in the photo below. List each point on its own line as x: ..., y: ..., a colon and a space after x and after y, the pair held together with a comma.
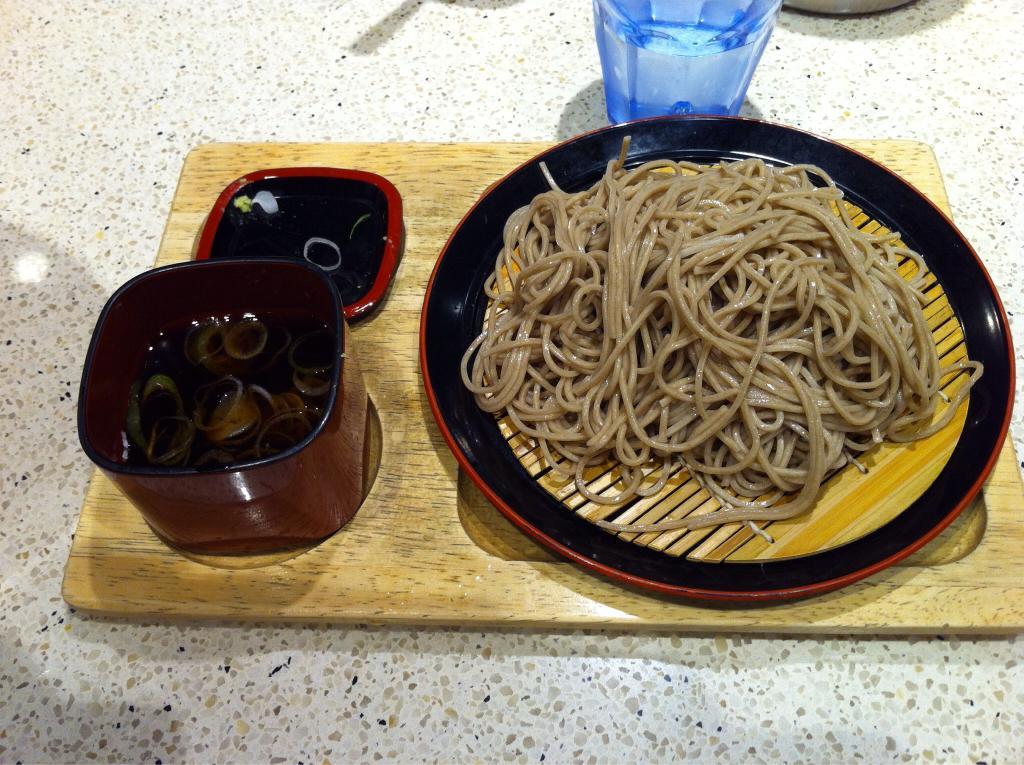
x: 426, y: 547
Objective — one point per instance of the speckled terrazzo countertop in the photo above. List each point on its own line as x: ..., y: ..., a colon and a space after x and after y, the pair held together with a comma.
x: 99, y: 107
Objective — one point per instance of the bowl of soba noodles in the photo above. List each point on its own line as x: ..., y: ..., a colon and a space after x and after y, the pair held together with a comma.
x: 677, y: 351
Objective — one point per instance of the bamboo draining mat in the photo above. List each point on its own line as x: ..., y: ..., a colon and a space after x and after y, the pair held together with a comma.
x: 850, y: 505
x: 426, y: 548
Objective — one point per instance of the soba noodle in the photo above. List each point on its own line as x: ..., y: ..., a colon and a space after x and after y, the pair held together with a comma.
x: 731, y: 320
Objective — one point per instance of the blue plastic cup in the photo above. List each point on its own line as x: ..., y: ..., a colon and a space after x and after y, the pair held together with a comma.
x: 680, y: 56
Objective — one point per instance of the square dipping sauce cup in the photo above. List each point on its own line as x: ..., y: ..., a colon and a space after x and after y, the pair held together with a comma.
x: 290, y: 499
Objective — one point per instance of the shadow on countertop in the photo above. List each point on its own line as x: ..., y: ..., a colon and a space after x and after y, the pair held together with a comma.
x: 897, y: 22
x: 388, y: 27
x: 586, y: 111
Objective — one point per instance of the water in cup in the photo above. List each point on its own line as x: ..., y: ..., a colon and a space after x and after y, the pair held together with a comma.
x: 679, y: 56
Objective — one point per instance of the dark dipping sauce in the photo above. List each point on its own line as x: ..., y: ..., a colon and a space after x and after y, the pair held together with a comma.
x: 222, y: 390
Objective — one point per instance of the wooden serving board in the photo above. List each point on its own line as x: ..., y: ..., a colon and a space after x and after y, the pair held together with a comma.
x: 426, y: 547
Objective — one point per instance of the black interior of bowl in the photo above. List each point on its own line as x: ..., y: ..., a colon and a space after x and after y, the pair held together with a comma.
x: 351, y: 213
x: 456, y: 305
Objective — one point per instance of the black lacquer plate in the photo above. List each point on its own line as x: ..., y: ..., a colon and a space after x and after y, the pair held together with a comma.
x: 454, y: 306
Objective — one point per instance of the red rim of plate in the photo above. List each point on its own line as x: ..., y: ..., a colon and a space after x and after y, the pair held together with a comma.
x: 698, y: 593
x: 389, y: 257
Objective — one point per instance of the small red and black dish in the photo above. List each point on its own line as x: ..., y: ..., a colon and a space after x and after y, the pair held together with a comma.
x: 348, y: 223
x: 455, y: 303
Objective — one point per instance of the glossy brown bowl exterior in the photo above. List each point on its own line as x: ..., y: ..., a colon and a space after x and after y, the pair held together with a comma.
x: 290, y: 499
